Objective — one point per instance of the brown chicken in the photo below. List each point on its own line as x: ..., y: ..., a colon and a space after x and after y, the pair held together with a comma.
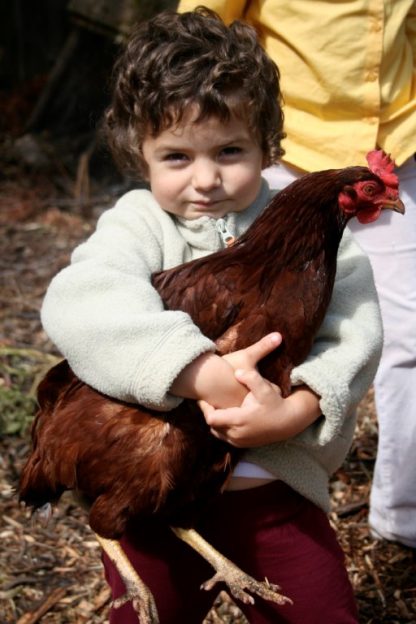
x: 128, y: 462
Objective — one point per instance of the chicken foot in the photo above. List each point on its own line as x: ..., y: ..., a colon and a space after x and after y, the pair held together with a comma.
x: 226, y: 571
x: 136, y: 591
x: 236, y: 580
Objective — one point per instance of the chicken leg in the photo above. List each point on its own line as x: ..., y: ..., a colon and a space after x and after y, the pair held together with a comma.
x: 136, y: 591
x: 236, y: 580
x: 226, y: 571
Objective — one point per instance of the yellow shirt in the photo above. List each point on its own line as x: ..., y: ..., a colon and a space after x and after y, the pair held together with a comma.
x: 348, y: 74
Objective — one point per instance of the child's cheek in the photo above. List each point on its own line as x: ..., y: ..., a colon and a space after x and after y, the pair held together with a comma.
x: 166, y: 188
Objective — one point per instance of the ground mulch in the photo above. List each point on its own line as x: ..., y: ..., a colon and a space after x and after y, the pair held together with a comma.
x: 52, y: 574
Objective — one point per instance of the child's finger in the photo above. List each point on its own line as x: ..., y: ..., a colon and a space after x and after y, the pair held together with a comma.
x: 256, y: 384
x: 263, y: 347
x: 210, y: 413
x: 217, y: 433
x: 204, y: 407
x: 216, y: 418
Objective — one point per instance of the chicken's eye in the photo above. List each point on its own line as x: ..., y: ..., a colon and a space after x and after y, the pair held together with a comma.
x: 369, y: 189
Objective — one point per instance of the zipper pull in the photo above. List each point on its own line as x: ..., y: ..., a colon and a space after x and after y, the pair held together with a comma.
x: 227, y: 238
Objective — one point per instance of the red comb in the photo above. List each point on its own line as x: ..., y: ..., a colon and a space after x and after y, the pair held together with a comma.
x: 382, y: 165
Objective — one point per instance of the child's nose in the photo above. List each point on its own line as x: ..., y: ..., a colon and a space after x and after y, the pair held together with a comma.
x: 206, y: 175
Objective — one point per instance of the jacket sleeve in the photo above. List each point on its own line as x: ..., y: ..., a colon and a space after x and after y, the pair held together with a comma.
x: 106, y: 318
x: 227, y: 10
x: 347, y: 349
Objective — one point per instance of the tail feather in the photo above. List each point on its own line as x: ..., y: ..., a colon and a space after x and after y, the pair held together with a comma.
x: 35, y: 487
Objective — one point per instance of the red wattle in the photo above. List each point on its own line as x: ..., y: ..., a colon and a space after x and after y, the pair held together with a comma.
x: 368, y: 216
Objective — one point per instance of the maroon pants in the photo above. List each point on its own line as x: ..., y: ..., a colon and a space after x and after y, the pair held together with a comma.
x: 270, y: 531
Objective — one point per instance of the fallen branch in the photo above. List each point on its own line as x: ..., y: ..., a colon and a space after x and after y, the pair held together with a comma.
x: 349, y: 509
x: 51, y: 600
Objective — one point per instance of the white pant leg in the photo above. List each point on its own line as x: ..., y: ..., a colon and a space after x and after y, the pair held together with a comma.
x: 391, y: 246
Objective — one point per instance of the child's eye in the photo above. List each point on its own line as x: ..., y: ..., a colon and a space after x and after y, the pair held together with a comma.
x: 175, y: 157
x: 231, y: 150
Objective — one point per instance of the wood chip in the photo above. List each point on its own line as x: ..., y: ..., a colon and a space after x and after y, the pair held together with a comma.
x: 48, y: 603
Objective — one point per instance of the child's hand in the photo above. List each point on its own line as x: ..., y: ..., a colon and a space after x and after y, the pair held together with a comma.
x: 253, y: 423
x: 264, y: 416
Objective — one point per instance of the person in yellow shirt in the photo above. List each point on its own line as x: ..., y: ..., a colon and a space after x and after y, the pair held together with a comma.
x: 349, y: 84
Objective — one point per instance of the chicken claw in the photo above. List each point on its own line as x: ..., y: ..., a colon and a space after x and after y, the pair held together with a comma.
x: 136, y: 591
x: 230, y: 574
x: 238, y: 581
x: 144, y: 605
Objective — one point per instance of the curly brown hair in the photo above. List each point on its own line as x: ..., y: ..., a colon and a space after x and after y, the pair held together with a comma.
x: 176, y: 60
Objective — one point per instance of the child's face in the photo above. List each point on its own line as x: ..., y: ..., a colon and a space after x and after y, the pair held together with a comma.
x: 207, y: 168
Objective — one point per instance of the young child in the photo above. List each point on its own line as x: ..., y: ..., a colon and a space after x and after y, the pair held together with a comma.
x: 196, y: 112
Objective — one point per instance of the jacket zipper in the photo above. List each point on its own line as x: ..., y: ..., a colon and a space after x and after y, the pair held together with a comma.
x: 226, y: 236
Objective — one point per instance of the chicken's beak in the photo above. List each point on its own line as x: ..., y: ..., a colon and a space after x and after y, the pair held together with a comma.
x: 393, y: 204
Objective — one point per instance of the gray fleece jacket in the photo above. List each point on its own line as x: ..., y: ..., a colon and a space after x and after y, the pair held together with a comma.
x: 109, y: 322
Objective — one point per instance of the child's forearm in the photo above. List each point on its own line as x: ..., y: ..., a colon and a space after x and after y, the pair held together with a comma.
x: 210, y: 378
x: 302, y: 409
